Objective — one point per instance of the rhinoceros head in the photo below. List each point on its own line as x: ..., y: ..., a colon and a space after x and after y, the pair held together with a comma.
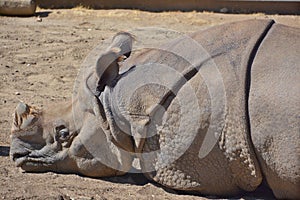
x: 75, y: 137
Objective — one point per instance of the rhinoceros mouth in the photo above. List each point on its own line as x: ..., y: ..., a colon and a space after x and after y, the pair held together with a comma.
x: 19, y: 159
x: 29, y: 158
x: 25, y: 160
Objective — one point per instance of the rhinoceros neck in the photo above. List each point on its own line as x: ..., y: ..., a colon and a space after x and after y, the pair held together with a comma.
x: 142, y: 92
x: 117, y: 125
x: 113, y: 112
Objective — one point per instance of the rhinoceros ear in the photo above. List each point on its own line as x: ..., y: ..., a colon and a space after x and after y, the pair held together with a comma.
x: 108, y: 64
x: 107, y: 69
x: 122, y: 41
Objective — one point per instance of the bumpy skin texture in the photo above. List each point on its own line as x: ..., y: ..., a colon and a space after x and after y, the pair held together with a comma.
x: 182, y: 109
x: 232, y: 158
x: 274, y: 108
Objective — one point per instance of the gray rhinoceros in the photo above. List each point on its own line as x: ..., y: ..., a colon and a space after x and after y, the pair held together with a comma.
x: 214, y: 113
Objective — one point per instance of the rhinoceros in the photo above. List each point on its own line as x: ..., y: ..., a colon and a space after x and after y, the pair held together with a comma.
x: 215, y: 112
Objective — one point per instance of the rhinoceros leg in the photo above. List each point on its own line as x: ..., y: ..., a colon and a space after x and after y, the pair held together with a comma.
x: 274, y: 106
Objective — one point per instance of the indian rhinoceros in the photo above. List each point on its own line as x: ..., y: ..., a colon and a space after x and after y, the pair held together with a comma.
x: 214, y: 113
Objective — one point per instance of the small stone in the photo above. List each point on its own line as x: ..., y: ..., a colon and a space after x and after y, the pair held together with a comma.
x: 39, y: 19
x: 63, y: 197
x: 17, y: 93
x: 194, y: 183
x: 60, y: 197
x: 224, y: 10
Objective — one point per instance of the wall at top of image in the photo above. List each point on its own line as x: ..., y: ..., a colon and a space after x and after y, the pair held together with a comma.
x: 234, y: 6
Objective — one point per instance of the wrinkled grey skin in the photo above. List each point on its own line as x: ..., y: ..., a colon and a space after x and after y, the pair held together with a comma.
x: 254, y: 112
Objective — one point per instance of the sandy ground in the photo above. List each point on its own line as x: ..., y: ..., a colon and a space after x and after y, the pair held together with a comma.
x: 39, y: 62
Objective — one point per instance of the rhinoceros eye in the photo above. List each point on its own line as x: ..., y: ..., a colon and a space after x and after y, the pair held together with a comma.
x: 62, y: 132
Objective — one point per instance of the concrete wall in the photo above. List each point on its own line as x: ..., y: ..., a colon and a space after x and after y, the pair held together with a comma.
x: 234, y: 6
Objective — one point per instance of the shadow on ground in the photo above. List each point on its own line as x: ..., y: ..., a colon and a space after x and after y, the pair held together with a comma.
x: 4, y: 151
x: 43, y: 14
x: 129, y: 178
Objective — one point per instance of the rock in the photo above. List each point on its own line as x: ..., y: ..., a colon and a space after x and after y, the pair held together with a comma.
x: 17, y: 7
x: 39, y: 19
x: 224, y: 10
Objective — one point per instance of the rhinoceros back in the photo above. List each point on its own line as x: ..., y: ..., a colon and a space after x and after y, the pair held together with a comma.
x: 274, y: 107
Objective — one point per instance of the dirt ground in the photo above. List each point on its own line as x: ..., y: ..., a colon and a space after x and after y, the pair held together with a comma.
x: 39, y: 62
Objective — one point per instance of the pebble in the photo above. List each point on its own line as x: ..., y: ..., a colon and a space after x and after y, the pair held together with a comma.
x: 63, y: 197
x: 17, y: 93
x: 39, y: 19
x: 224, y: 10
